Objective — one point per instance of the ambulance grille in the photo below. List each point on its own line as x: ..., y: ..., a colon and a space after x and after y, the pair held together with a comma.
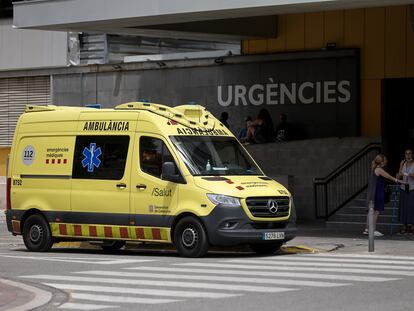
x: 259, y: 206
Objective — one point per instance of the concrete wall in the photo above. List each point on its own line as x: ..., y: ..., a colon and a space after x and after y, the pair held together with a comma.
x: 383, y: 34
x: 303, y: 161
x: 23, y: 49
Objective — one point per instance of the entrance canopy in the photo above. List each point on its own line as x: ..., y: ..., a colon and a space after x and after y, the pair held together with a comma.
x: 201, y: 20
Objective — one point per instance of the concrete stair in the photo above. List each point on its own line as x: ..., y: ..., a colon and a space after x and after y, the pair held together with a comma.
x: 352, y: 217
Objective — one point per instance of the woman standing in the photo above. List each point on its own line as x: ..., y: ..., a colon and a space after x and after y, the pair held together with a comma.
x: 376, y: 188
x: 406, y: 172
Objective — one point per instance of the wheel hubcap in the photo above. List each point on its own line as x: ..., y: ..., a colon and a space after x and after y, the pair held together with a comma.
x: 189, y: 237
x: 36, y: 233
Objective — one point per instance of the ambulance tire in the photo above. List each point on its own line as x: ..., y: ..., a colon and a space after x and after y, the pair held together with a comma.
x: 190, y: 238
x: 265, y: 248
x: 112, y: 246
x: 36, y: 234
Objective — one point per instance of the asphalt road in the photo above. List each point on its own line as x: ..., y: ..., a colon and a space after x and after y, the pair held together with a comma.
x: 82, y: 279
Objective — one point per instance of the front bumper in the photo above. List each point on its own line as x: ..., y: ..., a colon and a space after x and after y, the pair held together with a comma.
x: 242, y: 229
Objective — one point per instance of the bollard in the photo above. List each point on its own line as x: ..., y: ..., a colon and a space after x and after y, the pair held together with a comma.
x: 371, y: 228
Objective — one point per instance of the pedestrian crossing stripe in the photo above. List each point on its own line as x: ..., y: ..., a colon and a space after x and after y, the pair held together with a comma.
x: 282, y: 267
x: 128, y: 233
x: 213, y: 278
x: 276, y: 274
x: 142, y: 291
x: 163, y: 283
x: 338, y: 260
x: 310, y: 263
x: 120, y: 299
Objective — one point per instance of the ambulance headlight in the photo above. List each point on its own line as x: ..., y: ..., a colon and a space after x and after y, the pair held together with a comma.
x: 222, y: 199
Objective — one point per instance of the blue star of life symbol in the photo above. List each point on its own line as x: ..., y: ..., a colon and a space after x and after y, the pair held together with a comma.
x: 91, y: 159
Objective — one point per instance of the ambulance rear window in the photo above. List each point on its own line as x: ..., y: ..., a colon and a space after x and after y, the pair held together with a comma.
x: 100, y: 157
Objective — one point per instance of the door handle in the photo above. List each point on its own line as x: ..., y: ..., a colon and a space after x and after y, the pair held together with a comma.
x: 141, y: 186
x: 121, y: 186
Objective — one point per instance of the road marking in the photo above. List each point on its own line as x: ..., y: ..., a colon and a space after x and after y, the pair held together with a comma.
x: 360, y: 256
x: 327, y: 259
x: 269, y: 273
x: 259, y: 289
x: 320, y: 264
x: 141, y: 291
x: 319, y: 269
x: 121, y: 299
x: 84, y: 306
x: 214, y: 278
x: 106, y: 262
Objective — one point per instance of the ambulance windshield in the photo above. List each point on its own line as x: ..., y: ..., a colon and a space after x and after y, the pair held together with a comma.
x: 214, y: 155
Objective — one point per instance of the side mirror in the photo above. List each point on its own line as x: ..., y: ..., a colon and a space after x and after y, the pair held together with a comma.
x: 168, y: 173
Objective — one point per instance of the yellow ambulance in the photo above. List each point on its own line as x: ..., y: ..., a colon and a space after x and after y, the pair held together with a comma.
x: 140, y: 172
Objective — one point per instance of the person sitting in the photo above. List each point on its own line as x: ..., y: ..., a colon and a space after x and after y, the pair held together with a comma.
x: 242, y: 136
x: 261, y: 129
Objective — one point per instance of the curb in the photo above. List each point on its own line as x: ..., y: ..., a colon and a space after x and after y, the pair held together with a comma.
x: 41, y: 298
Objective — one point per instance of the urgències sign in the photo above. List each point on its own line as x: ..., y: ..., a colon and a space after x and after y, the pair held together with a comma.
x: 275, y: 93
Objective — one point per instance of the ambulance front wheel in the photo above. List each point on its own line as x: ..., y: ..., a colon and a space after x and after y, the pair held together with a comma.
x: 190, y: 238
x: 36, y: 234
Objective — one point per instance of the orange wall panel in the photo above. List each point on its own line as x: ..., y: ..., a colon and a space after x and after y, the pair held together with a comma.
x: 409, y: 33
x: 395, y: 41
x: 314, y: 26
x: 257, y: 46
x: 334, y: 27
x: 371, y: 97
x: 278, y: 44
x: 295, y: 28
x: 374, y: 47
x: 354, y: 28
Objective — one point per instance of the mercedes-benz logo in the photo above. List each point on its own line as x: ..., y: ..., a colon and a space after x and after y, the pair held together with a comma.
x: 272, y: 206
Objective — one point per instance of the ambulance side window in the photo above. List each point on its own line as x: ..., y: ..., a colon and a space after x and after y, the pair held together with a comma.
x: 100, y: 157
x: 153, y: 152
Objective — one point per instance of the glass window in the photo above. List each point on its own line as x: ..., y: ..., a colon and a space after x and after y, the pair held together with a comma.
x: 211, y: 155
x: 153, y: 153
x: 100, y: 157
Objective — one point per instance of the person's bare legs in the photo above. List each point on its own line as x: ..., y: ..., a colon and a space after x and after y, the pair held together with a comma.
x: 250, y: 133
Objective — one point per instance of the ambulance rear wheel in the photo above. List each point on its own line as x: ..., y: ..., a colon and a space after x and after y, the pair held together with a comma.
x: 36, y: 234
x: 112, y: 245
x: 190, y: 238
x: 265, y: 248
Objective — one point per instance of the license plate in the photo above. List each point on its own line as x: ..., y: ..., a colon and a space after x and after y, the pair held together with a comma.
x: 273, y: 236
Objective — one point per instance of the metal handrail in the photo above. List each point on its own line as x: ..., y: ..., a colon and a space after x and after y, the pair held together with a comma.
x: 341, y: 186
